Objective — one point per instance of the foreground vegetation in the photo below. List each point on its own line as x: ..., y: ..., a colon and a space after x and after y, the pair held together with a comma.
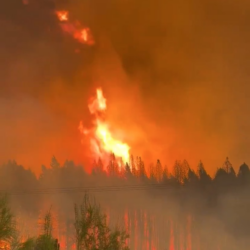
x: 91, y: 230
x: 215, y: 205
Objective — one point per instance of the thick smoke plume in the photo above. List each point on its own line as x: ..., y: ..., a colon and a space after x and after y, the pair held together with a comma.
x: 175, y: 74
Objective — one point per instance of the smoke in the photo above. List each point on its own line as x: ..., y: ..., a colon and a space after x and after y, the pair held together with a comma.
x: 153, y: 214
x: 175, y: 76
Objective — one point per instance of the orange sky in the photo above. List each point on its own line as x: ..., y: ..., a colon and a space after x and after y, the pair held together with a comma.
x: 175, y: 78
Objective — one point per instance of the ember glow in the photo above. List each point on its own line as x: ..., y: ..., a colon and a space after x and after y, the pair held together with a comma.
x: 75, y: 29
x: 103, y: 143
x: 4, y: 245
x: 62, y: 15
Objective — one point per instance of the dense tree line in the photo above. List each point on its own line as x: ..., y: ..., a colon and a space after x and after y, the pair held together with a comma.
x: 181, y: 173
x: 182, y: 177
x: 91, y: 230
x: 222, y: 196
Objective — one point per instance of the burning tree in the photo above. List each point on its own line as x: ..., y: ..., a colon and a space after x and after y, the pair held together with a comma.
x: 74, y: 28
x: 45, y: 241
x: 92, y: 231
x: 103, y: 142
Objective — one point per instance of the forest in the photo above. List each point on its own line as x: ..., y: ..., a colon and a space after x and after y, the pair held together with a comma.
x: 152, y: 207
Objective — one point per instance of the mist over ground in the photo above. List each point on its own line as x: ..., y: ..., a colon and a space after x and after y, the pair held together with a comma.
x: 198, y: 213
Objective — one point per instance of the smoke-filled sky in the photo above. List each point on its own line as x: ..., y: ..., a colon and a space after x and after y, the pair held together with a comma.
x: 175, y: 74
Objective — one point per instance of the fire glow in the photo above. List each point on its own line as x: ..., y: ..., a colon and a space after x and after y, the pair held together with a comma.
x: 75, y: 29
x: 62, y: 15
x: 103, y: 143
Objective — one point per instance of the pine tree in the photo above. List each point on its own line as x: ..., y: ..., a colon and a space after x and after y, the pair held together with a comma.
x: 181, y: 171
x: 177, y: 173
x: 112, y: 165
x: 92, y: 231
x: 152, y: 175
x: 141, y: 169
x: 192, y: 178
x: 165, y: 175
x: 204, y: 178
x: 7, y: 222
x: 158, y: 171
x: 185, y: 169
x: 228, y: 167
x: 97, y: 167
x: 244, y: 174
x: 45, y: 241
x: 54, y: 163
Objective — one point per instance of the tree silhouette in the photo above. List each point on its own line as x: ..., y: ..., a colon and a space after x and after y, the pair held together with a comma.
x: 152, y: 173
x: 229, y: 168
x: 177, y: 172
x: 220, y: 176
x: 45, y: 241
x: 225, y: 176
x: 7, y: 222
x: 181, y: 171
x: 112, y: 167
x: 54, y: 163
x: 244, y: 174
x: 141, y: 169
x: 192, y: 179
x: 165, y: 175
x: 92, y: 231
x: 158, y: 171
x: 128, y: 172
x: 204, y: 178
x: 28, y: 244
x: 185, y: 169
x: 195, y: 192
x: 98, y: 167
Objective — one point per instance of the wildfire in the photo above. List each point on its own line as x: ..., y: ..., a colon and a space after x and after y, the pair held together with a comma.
x: 62, y: 15
x: 102, y: 141
x: 4, y: 245
x: 75, y: 29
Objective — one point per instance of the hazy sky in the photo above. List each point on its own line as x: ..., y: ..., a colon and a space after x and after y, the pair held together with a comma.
x: 175, y: 73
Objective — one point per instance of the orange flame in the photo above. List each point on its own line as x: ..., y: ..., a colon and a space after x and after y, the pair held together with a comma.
x: 4, y: 245
x: 84, y: 36
x: 98, y: 104
x: 102, y: 141
x: 76, y: 30
x: 62, y: 15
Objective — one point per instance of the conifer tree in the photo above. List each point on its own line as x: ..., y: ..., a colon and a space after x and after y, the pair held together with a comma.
x: 54, y: 163
x: 158, y: 171
x: 92, y: 231
x: 7, y: 222
x: 244, y: 174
